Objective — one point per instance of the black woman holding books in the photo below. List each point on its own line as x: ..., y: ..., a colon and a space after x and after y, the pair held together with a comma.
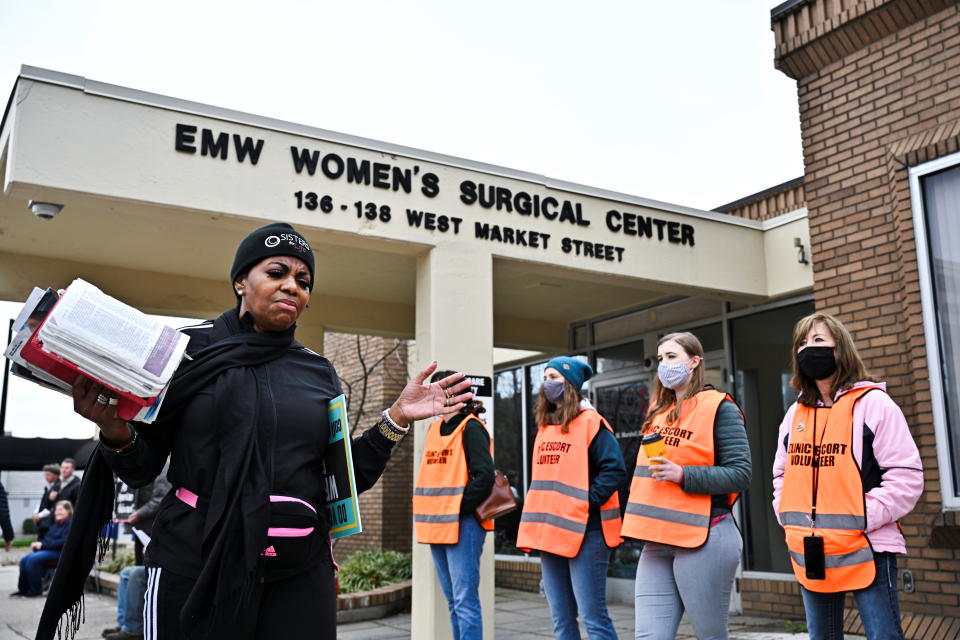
x: 240, y: 546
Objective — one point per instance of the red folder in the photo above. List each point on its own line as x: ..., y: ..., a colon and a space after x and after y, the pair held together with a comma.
x: 128, y: 404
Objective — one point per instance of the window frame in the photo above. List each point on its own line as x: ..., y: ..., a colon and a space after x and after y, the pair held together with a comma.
x: 950, y: 500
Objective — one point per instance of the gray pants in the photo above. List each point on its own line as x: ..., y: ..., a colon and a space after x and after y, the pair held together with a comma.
x: 672, y: 579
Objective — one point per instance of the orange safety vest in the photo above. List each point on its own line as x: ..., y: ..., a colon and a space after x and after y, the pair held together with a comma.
x: 662, y: 511
x: 823, y: 437
x: 440, y: 483
x: 557, y: 506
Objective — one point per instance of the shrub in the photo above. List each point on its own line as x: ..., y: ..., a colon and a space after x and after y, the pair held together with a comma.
x: 29, y: 527
x: 366, y: 570
x: 118, y: 563
x: 23, y: 542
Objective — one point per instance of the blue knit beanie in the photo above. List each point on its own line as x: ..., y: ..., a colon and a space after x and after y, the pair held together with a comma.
x: 575, y: 371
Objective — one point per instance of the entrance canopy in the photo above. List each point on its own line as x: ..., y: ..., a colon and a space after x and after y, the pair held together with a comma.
x: 157, y: 192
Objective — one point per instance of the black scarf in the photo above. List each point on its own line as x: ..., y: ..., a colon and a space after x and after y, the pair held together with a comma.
x: 238, y: 508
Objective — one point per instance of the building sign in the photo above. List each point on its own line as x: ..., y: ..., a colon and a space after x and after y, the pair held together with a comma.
x: 482, y: 389
x: 505, y: 212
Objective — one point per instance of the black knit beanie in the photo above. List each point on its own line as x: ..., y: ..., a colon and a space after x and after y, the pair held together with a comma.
x: 277, y: 239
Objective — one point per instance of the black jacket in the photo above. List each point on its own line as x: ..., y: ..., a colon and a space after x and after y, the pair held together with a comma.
x: 301, y: 383
x: 46, y: 504
x: 68, y: 491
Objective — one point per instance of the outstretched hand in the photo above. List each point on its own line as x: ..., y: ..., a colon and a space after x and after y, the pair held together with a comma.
x: 420, y: 400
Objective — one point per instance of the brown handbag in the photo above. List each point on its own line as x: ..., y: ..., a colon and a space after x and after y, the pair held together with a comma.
x: 500, y: 501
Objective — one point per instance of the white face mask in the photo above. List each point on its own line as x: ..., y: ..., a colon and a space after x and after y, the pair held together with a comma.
x: 673, y: 375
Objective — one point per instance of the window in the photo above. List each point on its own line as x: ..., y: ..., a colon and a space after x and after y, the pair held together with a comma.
x: 761, y: 348
x: 620, y: 357
x: 710, y: 336
x: 581, y: 337
x: 935, y: 191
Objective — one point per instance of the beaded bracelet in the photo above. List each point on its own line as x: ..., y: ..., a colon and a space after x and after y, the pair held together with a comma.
x: 125, y: 445
x: 390, y: 429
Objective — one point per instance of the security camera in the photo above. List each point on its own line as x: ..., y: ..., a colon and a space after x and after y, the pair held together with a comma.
x: 45, y: 210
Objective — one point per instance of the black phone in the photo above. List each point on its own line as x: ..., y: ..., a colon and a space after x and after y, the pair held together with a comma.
x: 814, y: 560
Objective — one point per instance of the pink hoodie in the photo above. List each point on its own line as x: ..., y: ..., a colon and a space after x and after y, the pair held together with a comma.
x: 896, y: 454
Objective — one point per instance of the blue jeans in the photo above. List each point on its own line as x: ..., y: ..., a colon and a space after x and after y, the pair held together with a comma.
x: 32, y: 567
x: 458, y: 569
x: 133, y: 584
x: 579, y: 584
x: 878, y: 604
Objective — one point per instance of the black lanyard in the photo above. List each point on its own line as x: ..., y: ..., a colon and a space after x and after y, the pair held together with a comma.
x: 815, y: 462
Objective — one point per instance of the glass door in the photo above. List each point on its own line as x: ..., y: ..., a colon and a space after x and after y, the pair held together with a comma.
x: 622, y: 398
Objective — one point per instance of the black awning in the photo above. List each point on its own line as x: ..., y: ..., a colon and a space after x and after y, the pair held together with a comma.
x: 30, y: 454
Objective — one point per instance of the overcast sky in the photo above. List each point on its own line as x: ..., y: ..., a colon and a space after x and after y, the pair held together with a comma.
x: 674, y: 101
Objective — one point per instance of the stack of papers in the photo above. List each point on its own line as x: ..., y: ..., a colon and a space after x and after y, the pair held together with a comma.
x: 86, y: 332
x: 112, y: 342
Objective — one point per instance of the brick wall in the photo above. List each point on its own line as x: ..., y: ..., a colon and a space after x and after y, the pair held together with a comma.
x: 517, y: 574
x: 869, y: 113
x: 372, y: 372
x: 771, y: 598
x: 769, y: 203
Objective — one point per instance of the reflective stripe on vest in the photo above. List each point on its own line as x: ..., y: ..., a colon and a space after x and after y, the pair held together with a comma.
x: 824, y: 438
x: 441, y: 481
x: 557, y: 507
x: 839, y: 560
x: 662, y: 511
x: 824, y: 520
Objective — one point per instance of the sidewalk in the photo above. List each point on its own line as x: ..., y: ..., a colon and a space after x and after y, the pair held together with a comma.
x: 519, y: 616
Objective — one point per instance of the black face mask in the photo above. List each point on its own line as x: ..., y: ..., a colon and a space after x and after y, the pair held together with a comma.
x: 817, y: 362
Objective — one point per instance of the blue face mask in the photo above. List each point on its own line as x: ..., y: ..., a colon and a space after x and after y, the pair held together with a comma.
x: 553, y: 390
x: 673, y: 375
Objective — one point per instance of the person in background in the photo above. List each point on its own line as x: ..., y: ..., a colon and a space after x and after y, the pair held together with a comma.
x: 680, y: 503
x: 853, y: 470
x: 571, y: 513
x: 43, y: 517
x: 130, y: 599
x: 69, y: 483
x: 33, y: 564
x: 146, y: 502
x: 5, y: 523
x: 133, y: 580
x: 456, y: 475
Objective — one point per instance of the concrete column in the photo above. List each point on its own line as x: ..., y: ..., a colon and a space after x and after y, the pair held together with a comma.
x: 454, y: 325
x: 310, y: 335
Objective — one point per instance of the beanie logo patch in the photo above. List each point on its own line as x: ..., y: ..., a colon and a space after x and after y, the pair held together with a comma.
x: 567, y: 367
x: 292, y: 239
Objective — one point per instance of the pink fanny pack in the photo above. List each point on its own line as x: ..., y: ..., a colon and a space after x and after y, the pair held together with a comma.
x: 190, y: 498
